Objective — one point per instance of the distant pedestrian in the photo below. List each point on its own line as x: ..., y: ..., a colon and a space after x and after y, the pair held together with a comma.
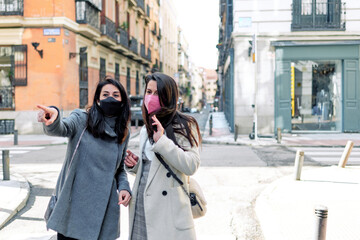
x: 87, y: 205
x: 160, y: 209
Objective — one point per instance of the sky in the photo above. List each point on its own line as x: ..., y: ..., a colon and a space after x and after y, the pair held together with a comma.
x: 199, y: 20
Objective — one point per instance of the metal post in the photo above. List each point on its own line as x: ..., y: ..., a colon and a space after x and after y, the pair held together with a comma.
x: 278, y: 136
x: 236, y: 132
x: 6, y: 164
x: 299, y: 161
x: 15, y: 137
x: 321, y: 214
x: 136, y: 123
x: 211, y: 124
x: 345, y: 156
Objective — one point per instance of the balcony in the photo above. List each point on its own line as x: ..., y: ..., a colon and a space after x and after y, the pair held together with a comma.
x: 149, y: 55
x: 6, y: 98
x: 12, y: 8
x: 133, y: 45
x: 123, y: 38
x: 318, y: 16
x: 142, y: 51
x: 141, y: 4
x: 87, y: 14
x: 108, y: 28
x: 159, y: 36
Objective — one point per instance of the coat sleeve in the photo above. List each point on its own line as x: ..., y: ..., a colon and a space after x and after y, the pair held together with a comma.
x: 65, y: 127
x: 186, y: 161
x: 121, y: 176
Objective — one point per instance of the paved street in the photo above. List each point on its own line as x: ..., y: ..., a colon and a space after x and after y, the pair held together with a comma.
x: 231, y: 177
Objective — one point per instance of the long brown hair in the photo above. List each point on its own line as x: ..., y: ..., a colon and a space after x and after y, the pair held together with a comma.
x: 170, y: 118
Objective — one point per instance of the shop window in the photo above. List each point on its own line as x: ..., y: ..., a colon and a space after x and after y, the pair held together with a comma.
x: 316, y: 95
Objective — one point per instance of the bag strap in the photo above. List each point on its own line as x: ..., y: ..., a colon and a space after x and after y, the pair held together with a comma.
x: 76, y: 148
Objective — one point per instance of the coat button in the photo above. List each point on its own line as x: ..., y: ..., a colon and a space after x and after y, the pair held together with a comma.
x: 164, y: 193
x: 168, y: 174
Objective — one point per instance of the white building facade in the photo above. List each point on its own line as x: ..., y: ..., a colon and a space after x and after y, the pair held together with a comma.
x: 294, y: 64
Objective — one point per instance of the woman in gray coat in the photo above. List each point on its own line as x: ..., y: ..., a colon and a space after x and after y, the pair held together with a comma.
x: 92, y: 182
x: 160, y: 208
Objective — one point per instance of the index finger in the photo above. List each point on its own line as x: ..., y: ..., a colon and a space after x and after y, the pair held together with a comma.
x: 42, y: 107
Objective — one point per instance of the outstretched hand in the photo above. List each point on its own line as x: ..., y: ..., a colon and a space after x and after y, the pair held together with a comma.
x: 159, y: 129
x: 124, y: 198
x: 47, y: 115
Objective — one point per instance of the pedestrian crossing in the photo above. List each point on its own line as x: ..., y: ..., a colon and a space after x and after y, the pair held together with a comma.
x: 330, y: 155
x: 19, y: 150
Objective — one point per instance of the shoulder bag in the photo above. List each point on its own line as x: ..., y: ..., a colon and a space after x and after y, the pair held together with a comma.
x: 195, y: 194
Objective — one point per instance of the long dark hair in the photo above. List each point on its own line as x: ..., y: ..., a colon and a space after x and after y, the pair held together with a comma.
x: 96, y: 120
x: 171, y: 119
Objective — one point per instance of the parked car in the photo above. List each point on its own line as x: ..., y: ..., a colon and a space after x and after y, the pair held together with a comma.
x: 136, y: 112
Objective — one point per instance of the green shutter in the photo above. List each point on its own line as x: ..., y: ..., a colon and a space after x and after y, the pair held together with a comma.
x: 351, y: 96
x: 283, y: 96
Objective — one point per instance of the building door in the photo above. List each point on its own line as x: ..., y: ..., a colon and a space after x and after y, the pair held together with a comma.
x: 83, y: 80
x: 283, y: 96
x: 351, y: 96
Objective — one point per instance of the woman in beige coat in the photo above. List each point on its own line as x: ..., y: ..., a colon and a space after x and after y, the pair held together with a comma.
x: 159, y: 208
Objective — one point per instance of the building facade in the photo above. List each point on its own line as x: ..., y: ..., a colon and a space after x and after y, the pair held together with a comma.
x: 291, y: 64
x: 55, y: 52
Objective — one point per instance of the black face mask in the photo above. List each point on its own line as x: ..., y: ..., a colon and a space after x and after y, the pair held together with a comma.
x: 111, y: 106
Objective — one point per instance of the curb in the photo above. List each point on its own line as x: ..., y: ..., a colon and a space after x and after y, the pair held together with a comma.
x: 19, y: 202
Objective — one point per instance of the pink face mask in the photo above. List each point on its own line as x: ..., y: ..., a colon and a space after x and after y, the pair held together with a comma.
x: 152, y: 103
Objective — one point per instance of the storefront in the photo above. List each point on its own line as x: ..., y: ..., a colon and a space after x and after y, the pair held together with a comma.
x: 317, y: 87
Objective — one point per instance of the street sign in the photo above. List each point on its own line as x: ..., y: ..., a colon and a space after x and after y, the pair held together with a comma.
x: 51, y: 31
x: 245, y: 22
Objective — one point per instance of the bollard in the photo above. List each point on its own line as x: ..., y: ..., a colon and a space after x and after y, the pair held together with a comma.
x: 136, y: 123
x: 346, y: 154
x: 299, y: 161
x: 321, y: 214
x: 15, y: 137
x: 236, y: 132
x: 6, y: 164
x: 211, y: 124
x: 278, y: 136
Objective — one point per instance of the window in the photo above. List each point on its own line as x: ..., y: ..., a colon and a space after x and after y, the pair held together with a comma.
x: 11, y: 7
x: 117, y: 72
x: 128, y: 80
x: 317, y: 15
x: 102, y: 72
x: 137, y: 83
x: 83, y: 78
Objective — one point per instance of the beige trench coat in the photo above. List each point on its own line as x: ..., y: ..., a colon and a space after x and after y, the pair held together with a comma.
x: 167, y: 208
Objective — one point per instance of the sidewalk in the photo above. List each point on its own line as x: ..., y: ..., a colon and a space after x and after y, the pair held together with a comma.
x: 222, y: 135
x: 15, y: 193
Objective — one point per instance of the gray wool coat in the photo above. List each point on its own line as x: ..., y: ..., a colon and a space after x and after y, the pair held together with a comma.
x: 167, y: 208
x: 87, y: 199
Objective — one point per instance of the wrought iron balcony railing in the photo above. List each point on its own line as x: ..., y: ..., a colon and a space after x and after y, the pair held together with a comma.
x: 6, y: 98
x: 108, y: 27
x: 142, y: 51
x: 123, y: 37
x: 11, y: 7
x: 87, y: 13
x: 149, y: 55
x: 320, y: 15
x: 141, y: 4
x: 133, y: 45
